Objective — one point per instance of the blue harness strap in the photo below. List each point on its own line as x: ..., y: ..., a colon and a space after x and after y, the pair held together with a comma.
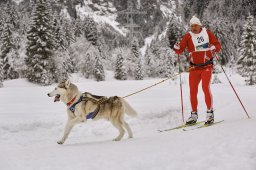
x: 72, y: 107
x: 91, y: 115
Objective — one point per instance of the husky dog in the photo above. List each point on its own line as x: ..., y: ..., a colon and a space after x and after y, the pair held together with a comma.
x: 83, y: 106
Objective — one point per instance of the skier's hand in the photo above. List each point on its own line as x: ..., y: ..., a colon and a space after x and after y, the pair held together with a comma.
x: 212, y: 48
x: 176, y: 47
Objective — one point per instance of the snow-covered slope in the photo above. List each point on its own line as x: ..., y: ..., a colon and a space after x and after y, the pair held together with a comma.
x: 30, y: 125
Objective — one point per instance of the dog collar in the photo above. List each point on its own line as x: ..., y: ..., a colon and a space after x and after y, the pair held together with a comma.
x: 71, y: 101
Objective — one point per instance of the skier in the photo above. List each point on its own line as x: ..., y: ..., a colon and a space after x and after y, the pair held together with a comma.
x: 201, y: 43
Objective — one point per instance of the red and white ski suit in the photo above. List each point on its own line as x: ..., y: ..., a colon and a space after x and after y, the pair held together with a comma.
x: 196, y: 43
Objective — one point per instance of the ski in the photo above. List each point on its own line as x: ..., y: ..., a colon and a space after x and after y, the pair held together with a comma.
x: 181, y: 126
x: 201, y: 126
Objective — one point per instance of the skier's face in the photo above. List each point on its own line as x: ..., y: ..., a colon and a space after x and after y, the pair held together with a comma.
x: 196, y: 29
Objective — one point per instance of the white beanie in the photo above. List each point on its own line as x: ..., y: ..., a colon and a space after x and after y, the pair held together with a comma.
x: 195, y: 20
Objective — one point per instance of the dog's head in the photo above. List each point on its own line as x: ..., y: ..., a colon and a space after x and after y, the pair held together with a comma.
x: 64, y: 89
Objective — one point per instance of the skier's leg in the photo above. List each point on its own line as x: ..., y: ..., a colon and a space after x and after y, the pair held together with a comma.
x: 206, y: 81
x: 194, y: 80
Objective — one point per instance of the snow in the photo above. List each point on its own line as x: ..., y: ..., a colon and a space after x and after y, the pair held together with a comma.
x: 30, y: 125
x: 18, y: 1
x: 106, y: 18
x: 167, y: 11
x: 65, y: 14
x: 148, y: 41
x: 110, y: 20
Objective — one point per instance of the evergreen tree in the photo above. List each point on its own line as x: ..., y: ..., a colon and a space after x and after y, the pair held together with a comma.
x: 120, y: 71
x: 169, y: 64
x: 62, y: 59
x: 135, y: 50
x: 174, y: 31
x: 99, y: 73
x: 40, y: 46
x: 78, y: 30
x: 139, y: 71
x: 91, y: 32
x: 87, y: 66
x: 247, y: 61
x: 92, y: 35
x: 150, y: 63
x: 13, y: 60
x: 7, y: 46
x: 69, y: 34
x: 12, y: 14
x: 62, y: 67
x: 200, y: 6
x: 10, y: 41
x: 134, y: 59
x: 222, y: 31
x: 1, y: 73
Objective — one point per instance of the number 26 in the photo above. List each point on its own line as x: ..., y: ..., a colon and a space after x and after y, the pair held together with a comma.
x: 200, y: 39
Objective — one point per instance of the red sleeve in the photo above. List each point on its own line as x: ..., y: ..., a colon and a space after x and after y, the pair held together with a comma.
x: 183, y: 44
x: 214, y: 41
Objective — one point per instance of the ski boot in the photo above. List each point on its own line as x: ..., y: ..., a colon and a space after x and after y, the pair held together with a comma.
x: 192, y: 119
x: 209, y: 117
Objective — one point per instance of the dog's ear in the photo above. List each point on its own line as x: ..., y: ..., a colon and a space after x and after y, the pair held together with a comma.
x: 67, y: 83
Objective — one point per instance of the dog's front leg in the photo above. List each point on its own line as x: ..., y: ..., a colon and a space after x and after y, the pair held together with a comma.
x: 69, y: 125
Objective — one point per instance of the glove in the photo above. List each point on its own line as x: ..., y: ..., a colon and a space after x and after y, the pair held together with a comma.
x: 212, y: 48
x: 176, y: 46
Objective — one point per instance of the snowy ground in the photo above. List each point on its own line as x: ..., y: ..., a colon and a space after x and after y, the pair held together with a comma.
x: 30, y: 125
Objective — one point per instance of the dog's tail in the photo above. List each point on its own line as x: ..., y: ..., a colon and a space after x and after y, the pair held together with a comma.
x: 128, y: 108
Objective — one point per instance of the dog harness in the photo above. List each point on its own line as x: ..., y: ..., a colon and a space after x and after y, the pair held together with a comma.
x: 91, y: 115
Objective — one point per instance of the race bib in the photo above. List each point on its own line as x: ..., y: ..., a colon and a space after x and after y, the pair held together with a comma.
x: 201, y: 40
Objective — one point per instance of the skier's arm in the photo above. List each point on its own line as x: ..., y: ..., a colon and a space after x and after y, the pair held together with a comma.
x: 179, y: 48
x: 214, y: 41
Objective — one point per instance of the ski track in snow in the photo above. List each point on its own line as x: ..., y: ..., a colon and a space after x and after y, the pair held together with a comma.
x: 30, y: 125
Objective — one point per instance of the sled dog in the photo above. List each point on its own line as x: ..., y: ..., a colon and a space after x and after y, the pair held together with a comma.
x: 83, y: 106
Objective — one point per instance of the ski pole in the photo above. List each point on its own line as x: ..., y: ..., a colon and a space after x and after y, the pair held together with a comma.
x: 231, y: 85
x: 181, y: 93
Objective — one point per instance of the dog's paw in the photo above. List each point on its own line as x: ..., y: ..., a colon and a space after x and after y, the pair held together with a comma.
x: 116, y: 139
x: 60, y: 142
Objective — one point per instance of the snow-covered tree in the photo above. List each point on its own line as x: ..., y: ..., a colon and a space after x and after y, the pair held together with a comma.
x: 79, y: 51
x: 78, y: 27
x: 120, y: 70
x: 99, y: 72
x: 40, y: 46
x: 139, y: 71
x: 216, y: 80
x: 68, y: 30
x: 62, y: 59
x: 170, y: 68
x: 91, y: 32
x: 247, y: 61
x: 174, y: 31
x: 135, y: 50
x: 10, y: 41
x: 6, y: 47
x: 160, y: 60
x: 1, y: 73
x: 87, y: 67
x: 134, y: 59
x: 150, y: 63
x: 62, y: 66
x: 222, y: 31
x: 13, y: 60
x: 12, y: 13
